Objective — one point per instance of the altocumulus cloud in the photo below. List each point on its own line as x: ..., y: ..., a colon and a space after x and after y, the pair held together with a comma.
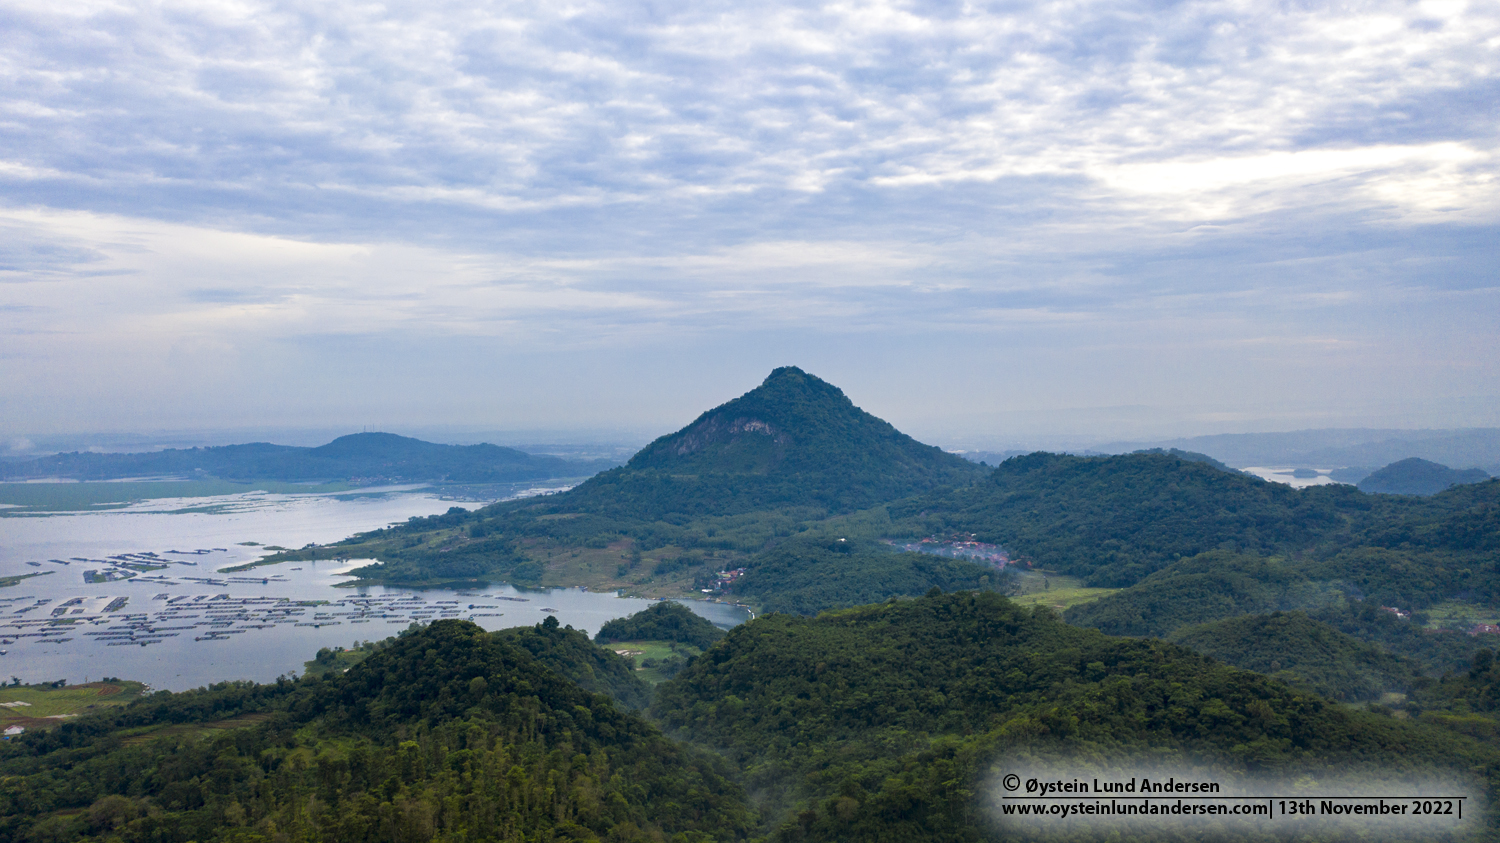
x: 204, y: 184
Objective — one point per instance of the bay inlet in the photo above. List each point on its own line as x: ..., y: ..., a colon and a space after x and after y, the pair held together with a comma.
x: 137, y: 592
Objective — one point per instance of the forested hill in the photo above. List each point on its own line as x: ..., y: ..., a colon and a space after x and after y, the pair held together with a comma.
x: 786, y: 455
x: 569, y: 653
x: 1302, y: 651
x: 447, y: 734
x: 1416, y: 476
x: 665, y: 621
x: 359, y: 456
x: 795, y: 440
x: 1116, y: 520
x: 884, y: 722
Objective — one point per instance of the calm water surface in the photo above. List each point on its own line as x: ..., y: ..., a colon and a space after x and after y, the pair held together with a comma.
x: 188, y: 625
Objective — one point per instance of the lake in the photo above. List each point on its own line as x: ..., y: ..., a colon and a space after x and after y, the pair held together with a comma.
x: 176, y: 622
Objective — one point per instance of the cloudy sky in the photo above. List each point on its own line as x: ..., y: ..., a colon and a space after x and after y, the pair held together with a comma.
x: 985, y: 221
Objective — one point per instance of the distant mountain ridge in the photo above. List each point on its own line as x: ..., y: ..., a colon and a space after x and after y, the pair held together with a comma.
x: 1467, y: 448
x: 1416, y: 476
x: 358, y: 456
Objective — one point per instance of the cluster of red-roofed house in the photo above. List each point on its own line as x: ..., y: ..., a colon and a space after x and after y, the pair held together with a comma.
x: 725, y: 579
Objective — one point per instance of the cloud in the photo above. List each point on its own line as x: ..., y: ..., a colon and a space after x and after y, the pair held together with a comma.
x: 217, y: 181
x: 517, y: 108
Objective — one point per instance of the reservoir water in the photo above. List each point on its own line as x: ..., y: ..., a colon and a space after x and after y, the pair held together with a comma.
x: 137, y: 592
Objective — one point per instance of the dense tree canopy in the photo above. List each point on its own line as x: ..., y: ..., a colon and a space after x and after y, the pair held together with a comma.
x: 1115, y: 520
x: 666, y: 621
x: 1207, y: 587
x: 1301, y: 651
x: 449, y: 733
x: 807, y: 575
x: 569, y: 653
x: 880, y: 723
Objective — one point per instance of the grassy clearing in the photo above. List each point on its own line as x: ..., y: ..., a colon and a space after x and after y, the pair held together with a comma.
x: 1459, y: 616
x: 69, y: 497
x: 136, y: 737
x: 652, y: 653
x: 46, y: 706
x: 1060, y: 592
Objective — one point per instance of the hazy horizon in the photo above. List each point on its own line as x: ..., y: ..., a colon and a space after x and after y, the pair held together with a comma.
x: 621, y: 443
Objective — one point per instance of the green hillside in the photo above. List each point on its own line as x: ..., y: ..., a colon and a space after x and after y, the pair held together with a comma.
x: 666, y: 621
x: 771, y: 481
x: 1466, y: 701
x: 1207, y: 587
x: 884, y: 722
x: 793, y: 441
x: 1300, y: 651
x: 1415, y: 476
x: 809, y: 574
x: 767, y: 465
x: 1114, y: 520
x: 1438, y: 652
x: 569, y: 653
x: 880, y: 723
x: 448, y: 733
x: 1220, y: 594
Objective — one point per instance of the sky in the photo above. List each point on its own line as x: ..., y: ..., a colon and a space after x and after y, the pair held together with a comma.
x: 986, y: 222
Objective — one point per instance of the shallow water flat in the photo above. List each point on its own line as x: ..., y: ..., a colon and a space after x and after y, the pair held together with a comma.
x: 139, y: 592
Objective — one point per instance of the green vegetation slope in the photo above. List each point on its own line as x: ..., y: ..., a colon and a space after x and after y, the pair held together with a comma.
x: 569, y: 653
x: 884, y: 722
x: 795, y: 440
x: 1300, y: 651
x: 1207, y: 587
x: 767, y: 465
x: 447, y: 734
x: 1115, y: 520
x: 1416, y: 476
x: 666, y: 621
x: 808, y: 574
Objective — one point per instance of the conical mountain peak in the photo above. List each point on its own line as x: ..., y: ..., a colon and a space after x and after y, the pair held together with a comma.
x: 793, y: 440
x: 755, y: 432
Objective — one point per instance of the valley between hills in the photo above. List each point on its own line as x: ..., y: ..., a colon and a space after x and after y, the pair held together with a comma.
x: 1152, y: 605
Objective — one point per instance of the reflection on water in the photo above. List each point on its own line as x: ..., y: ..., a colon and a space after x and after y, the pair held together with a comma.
x: 1297, y: 478
x: 138, y: 593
